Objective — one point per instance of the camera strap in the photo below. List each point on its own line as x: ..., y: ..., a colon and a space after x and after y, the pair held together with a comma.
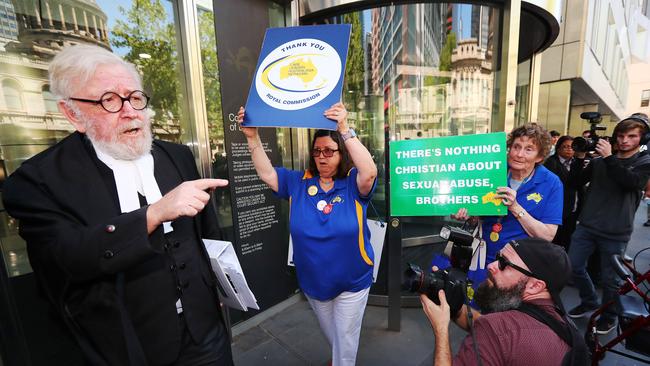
x: 470, y: 326
x: 479, y: 248
x: 578, y: 353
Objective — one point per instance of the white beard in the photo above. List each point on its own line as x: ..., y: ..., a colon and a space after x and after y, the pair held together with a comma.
x: 120, y: 150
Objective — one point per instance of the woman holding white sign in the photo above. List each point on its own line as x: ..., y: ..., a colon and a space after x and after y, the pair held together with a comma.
x: 331, y: 239
x: 533, y: 197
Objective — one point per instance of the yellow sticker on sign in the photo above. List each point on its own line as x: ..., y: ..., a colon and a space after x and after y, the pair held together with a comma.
x: 492, y: 197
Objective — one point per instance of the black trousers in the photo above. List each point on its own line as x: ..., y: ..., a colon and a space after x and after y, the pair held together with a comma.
x: 214, y: 350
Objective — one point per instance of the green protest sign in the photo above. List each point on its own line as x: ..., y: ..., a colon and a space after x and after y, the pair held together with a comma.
x: 437, y: 176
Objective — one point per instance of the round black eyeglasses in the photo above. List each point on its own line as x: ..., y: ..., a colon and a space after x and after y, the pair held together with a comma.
x: 113, y: 102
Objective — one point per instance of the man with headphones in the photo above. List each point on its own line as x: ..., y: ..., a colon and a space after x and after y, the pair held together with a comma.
x: 616, y: 180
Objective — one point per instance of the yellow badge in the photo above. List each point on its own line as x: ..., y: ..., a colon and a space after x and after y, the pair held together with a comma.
x: 534, y: 197
x: 494, y: 236
x: 312, y: 190
x: 337, y: 199
x: 470, y: 293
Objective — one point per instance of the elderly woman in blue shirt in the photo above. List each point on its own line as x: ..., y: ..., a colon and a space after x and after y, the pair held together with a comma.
x: 534, y: 198
x: 331, y: 239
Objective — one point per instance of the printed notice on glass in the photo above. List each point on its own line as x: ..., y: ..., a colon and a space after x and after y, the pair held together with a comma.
x: 438, y: 176
x: 299, y: 75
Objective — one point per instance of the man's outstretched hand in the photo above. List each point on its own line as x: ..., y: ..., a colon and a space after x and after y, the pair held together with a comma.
x: 187, y: 199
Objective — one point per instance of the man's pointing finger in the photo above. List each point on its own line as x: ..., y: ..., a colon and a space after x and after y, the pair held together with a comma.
x: 210, y: 183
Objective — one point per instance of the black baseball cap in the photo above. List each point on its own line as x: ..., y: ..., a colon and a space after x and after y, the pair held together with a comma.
x: 547, y: 261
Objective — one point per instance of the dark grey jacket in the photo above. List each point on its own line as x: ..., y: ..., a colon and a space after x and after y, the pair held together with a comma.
x: 613, y: 194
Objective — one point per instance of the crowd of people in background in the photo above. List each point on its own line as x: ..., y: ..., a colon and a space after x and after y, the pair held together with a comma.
x: 603, y: 187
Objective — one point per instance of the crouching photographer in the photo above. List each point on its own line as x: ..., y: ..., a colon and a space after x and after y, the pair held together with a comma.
x: 522, y: 319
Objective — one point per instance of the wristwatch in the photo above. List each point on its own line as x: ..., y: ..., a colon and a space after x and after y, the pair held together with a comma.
x: 348, y: 135
x: 520, y: 214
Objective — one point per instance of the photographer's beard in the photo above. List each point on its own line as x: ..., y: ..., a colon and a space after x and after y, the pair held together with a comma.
x: 129, y: 141
x: 492, y: 299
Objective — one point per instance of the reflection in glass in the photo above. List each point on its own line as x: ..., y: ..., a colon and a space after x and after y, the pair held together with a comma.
x: 12, y: 93
x: 212, y: 90
x: 521, y: 94
x: 417, y: 71
x: 49, y: 100
x: 436, y: 80
x: 143, y: 33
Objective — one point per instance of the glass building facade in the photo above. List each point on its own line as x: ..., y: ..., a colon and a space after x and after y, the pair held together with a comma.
x: 419, y: 71
x: 414, y: 70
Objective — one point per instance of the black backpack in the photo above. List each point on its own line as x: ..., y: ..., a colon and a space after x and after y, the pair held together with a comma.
x: 579, y: 354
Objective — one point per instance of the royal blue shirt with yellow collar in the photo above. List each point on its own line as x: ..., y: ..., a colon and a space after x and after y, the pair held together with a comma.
x: 331, y: 245
x: 542, y: 198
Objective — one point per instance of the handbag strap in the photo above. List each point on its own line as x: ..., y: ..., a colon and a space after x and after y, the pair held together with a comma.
x: 379, y: 218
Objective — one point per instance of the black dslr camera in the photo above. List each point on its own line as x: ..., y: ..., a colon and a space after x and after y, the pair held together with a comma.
x: 581, y: 144
x: 452, y: 280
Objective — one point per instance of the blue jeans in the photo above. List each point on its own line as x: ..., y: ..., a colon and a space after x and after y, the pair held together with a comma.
x: 583, y: 244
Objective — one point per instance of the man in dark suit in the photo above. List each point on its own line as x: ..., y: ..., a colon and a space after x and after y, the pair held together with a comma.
x: 113, y: 223
x: 559, y: 163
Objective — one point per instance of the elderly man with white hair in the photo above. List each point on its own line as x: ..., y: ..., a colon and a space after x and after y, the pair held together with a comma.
x: 113, y: 222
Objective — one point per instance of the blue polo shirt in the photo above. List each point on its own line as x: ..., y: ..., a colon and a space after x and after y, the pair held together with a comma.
x: 331, y: 251
x: 541, y: 197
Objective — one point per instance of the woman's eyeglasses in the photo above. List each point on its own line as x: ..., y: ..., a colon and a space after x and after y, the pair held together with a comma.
x: 327, y: 152
x: 504, y: 262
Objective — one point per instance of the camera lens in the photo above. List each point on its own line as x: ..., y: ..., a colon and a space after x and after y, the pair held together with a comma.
x: 452, y: 281
x: 415, y: 280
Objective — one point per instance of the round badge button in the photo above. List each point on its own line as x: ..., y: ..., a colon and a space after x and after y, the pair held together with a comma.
x: 312, y: 190
x: 321, y: 205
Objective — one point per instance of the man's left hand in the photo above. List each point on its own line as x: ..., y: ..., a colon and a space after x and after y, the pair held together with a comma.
x: 438, y: 315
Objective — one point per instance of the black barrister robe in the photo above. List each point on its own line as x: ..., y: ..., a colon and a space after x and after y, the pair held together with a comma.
x: 114, y: 285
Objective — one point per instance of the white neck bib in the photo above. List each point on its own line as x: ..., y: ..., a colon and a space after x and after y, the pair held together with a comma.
x: 131, y: 177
